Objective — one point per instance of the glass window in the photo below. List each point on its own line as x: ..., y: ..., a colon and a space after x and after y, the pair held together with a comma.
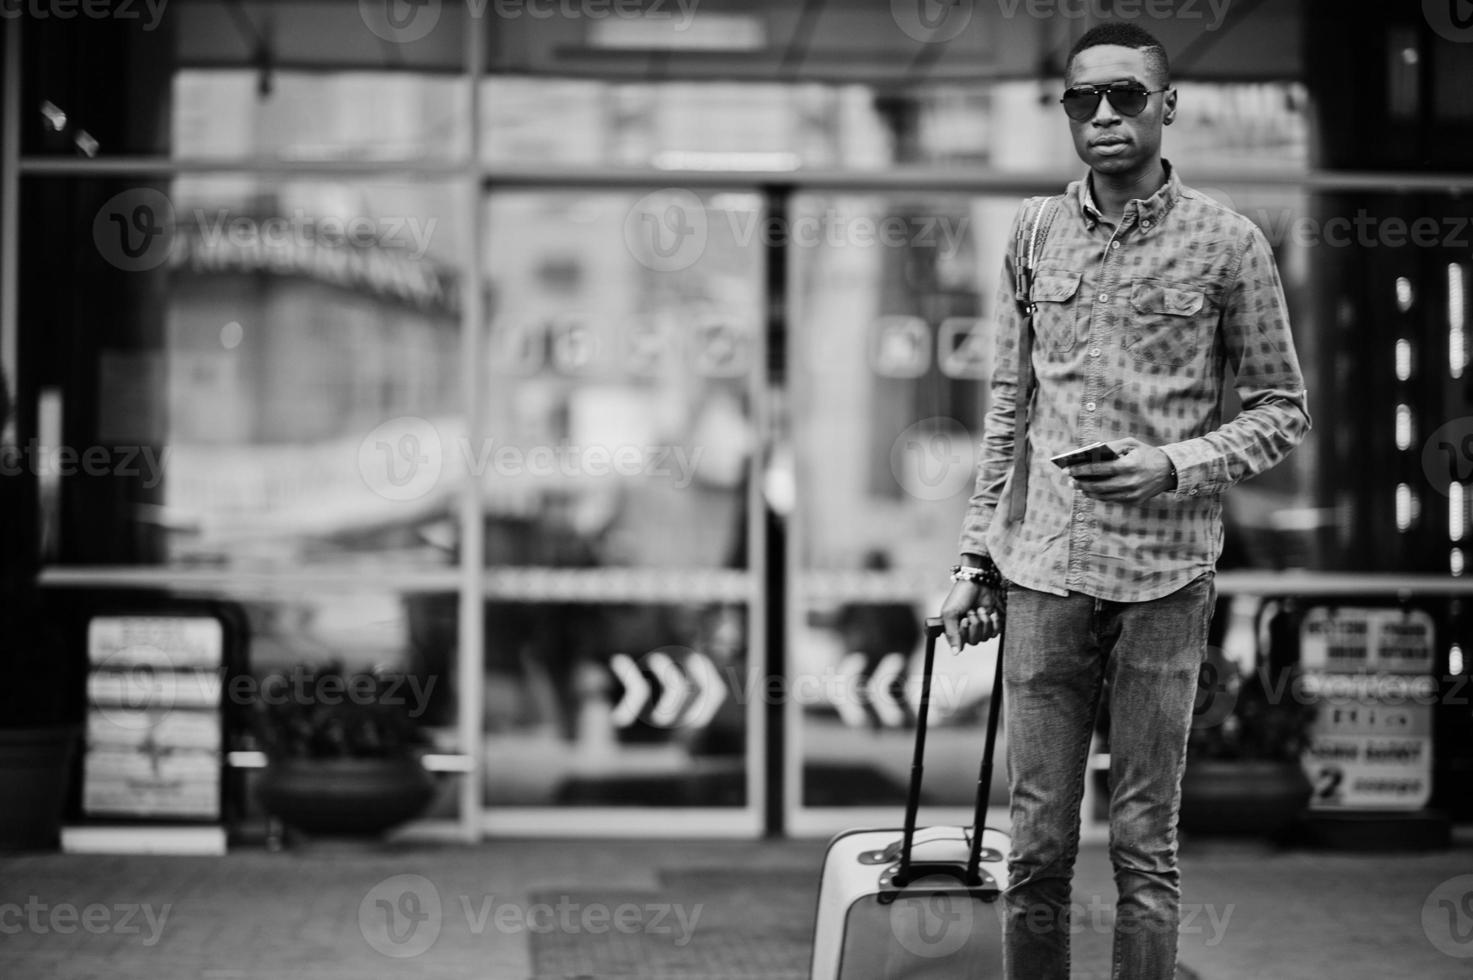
x: 258, y: 374
x: 1014, y: 127
x: 624, y: 332
x: 616, y: 705
x: 306, y: 81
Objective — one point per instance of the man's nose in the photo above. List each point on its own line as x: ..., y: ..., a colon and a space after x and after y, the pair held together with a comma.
x: 1105, y: 114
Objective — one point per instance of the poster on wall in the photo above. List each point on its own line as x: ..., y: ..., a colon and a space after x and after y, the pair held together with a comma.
x: 1368, y: 672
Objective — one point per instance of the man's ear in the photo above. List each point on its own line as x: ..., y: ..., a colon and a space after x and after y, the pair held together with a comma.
x: 1169, y: 100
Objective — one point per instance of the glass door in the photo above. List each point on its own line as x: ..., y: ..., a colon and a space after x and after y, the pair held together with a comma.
x: 615, y: 453
x: 889, y: 348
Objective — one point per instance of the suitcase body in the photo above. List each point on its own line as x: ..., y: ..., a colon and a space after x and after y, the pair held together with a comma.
x: 935, y: 927
x: 908, y: 904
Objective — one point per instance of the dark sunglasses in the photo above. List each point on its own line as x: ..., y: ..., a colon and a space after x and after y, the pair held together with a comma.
x: 1128, y: 99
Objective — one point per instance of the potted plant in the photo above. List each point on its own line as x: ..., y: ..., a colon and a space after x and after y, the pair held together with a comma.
x: 344, y: 751
x: 1244, y: 774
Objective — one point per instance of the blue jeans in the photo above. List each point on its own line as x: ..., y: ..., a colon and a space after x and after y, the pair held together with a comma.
x: 1058, y: 653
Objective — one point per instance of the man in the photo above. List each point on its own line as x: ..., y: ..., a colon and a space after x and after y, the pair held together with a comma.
x: 1142, y: 291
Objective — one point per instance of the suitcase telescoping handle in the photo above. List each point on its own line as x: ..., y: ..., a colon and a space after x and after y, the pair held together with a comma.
x: 934, y: 630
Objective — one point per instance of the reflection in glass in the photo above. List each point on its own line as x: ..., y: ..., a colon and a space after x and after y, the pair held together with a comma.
x: 268, y: 368
x: 623, y: 335
x: 616, y: 705
x: 1007, y: 126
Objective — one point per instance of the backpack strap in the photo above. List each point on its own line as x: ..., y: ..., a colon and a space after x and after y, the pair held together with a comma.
x: 1026, y: 251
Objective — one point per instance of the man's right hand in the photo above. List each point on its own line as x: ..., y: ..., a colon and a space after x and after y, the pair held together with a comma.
x: 972, y: 613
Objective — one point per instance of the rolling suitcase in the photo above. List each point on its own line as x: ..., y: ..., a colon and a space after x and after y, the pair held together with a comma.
x: 908, y: 904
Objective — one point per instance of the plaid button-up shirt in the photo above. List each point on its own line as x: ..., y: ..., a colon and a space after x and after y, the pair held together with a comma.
x: 1134, y: 325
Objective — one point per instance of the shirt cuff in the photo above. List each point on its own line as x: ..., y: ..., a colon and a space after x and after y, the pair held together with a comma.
x: 1196, y: 468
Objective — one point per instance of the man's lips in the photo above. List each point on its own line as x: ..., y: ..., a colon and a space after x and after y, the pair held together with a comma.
x: 1109, y: 141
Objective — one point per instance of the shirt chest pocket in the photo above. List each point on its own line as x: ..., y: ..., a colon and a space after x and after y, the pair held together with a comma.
x: 1171, y: 322
x: 1056, y: 309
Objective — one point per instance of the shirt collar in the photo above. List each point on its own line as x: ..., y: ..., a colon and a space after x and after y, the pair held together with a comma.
x: 1149, y: 212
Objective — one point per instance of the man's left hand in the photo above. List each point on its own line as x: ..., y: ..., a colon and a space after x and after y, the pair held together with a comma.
x: 1139, y: 474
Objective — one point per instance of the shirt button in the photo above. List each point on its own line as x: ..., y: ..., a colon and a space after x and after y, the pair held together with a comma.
x: 1114, y: 244
x: 1094, y: 352
x: 1104, y: 297
x: 1089, y: 406
x: 1145, y: 224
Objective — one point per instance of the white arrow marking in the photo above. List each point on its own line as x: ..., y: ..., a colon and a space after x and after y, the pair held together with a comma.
x: 848, y: 702
x: 673, y: 690
x: 710, y: 690
x: 880, y: 698
x: 636, y: 690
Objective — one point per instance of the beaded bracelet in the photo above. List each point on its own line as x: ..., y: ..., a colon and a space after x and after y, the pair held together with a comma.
x: 986, y: 574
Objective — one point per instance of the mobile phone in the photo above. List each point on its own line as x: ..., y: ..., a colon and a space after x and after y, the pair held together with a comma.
x: 1095, y: 452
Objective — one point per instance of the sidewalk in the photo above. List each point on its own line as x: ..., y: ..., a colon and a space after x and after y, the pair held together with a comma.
x: 714, y: 910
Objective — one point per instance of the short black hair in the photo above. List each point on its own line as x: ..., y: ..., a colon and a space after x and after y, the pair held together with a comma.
x: 1126, y: 36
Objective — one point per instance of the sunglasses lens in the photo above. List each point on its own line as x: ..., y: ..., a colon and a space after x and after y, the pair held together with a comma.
x: 1080, y: 104
x: 1128, y: 101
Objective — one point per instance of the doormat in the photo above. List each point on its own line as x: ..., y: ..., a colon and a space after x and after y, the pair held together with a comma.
x: 716, y: 924
x: 699, y: 925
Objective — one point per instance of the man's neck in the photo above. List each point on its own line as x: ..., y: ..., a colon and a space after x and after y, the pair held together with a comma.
x: 1112, y: 192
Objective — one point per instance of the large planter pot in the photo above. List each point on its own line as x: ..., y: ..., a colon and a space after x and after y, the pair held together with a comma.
x: 1242, y: 797
x: 35, y: 770
x: 358, y: 797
